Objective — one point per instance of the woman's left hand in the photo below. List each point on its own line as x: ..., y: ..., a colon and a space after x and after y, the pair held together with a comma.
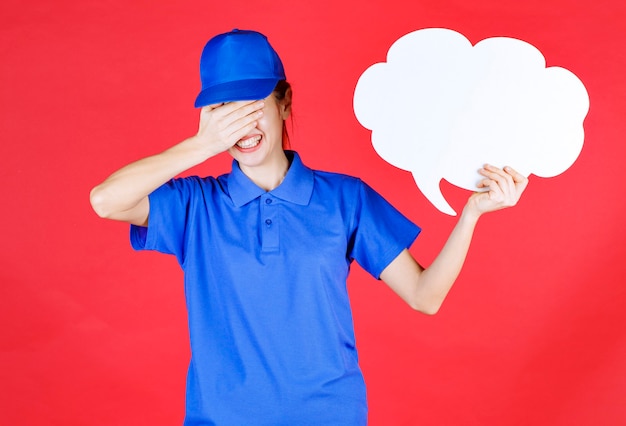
x: 505, y: 187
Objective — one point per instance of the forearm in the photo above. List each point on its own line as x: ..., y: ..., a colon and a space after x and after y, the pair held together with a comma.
x: 128, y: 186
x: 425, y: 289
x: 434, y: 283
x: 504, y: 188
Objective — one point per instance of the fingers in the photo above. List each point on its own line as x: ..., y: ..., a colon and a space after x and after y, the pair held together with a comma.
x: 499, y: 182
x: 496, y: 174
x: 495, y: 191
x: 211, y: 107
x: 520, y: 180
x: 244, y: 116
x: 504, y: 189
x: 239, y: 130
x: 505, y: 185
x: 508, y: 173
x: 222, y: 125
x: 235, y: 110
x: 231, y: 112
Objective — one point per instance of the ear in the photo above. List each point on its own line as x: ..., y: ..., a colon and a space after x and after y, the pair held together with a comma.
x: 285, y: 105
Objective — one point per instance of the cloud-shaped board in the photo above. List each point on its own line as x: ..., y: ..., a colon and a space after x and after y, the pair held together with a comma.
x: 441, y: 108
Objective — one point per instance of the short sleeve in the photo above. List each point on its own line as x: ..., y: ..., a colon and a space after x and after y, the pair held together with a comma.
x: 168, y: 219
x: 381, y: 232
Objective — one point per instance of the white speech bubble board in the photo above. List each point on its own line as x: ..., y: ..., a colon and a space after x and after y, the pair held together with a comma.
x: 442, y: 108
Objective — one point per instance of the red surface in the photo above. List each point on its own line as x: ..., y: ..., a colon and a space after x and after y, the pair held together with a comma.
x: 93, y: 333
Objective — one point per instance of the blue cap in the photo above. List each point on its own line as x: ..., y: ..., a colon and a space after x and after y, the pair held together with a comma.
x: 238, y: 66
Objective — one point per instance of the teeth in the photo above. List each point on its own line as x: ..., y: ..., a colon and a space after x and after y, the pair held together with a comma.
x: 250, y: 142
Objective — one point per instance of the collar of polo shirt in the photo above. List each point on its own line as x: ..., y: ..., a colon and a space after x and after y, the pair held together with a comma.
x: 297, y: 187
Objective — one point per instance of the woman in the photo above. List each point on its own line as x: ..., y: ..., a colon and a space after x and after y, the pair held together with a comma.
x: 266, y: 250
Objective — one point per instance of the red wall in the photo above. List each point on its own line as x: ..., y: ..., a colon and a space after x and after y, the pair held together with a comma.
x: 93, y: 333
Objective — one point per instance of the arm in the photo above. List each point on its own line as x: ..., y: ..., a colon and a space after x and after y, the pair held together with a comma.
x: 124, y: 195
x: 425, y: 289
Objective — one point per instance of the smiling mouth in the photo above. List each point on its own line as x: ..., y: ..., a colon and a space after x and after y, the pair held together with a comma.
x: 250, y: 142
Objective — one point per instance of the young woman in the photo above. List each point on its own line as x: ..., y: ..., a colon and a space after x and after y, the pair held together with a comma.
x: 266, y: 250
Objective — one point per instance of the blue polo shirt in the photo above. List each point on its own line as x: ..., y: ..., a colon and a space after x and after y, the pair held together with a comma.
x: 271, y: 332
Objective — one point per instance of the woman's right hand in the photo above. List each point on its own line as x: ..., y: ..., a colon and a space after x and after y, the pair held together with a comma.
x: 124, y: 195
x: 222, y: 125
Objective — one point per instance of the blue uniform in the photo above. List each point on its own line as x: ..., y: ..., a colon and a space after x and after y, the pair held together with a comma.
x: 272, y: 338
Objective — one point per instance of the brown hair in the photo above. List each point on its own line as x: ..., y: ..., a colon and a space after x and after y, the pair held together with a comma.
x: 280, y: 91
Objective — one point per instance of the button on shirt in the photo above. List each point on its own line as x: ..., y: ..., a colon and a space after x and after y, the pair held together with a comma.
x: 272, y: 339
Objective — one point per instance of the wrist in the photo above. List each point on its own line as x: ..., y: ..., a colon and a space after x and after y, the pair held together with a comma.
x: 198, y: 150
x: 470, y: 214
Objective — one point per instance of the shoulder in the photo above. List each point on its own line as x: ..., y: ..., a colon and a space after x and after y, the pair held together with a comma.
x: 330, y: 184
x: 337, y: 180
x: 347, y: 185
x: 194, y: 182
x: 188, y: 188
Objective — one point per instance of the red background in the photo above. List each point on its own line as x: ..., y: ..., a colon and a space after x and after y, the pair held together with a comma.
x: 95, y: 334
